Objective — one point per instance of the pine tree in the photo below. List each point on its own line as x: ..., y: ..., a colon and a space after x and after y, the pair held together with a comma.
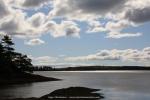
x: 12, y: 62
x: 22, y: 62
x: 8, y: 49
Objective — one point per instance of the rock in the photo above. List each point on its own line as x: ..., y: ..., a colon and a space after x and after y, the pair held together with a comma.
x: 74, y: 93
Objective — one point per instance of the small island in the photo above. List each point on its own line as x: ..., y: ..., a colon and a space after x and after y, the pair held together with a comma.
x: 70, y: 93
x: 15, y: 68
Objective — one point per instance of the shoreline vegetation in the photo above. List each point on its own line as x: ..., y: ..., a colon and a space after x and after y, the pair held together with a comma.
x: 71, y: 93
x: 89, y: 68
x: 15, y: 67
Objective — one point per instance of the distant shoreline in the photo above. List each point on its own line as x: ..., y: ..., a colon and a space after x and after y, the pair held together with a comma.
x: 97, y: 71
x: 91, y: 68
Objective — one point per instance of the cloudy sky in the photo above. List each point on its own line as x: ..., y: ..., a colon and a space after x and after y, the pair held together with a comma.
x: 99, y: 32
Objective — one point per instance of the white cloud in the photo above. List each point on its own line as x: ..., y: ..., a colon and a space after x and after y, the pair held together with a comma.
x: 14, y: 23
x: 122, y: 55
x: 17, y: 24
x: 65, y: 28
x: 37, y: 19
x: 34, y: 42
x: 34, y: 3
x: 117, y: 26
x: 112, y: 29
x: 122, y: 14
x: 4, y: 10
x: 43, y: 60
x: 138, y: 15
x: 136, y: 11
x: 138, y: 3
x: 95, y: 26
x: 117, y: 35
x: 85, y: 9
x: 117, y: 15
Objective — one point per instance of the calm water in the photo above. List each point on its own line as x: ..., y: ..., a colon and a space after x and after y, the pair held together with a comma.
x: 122, y: 85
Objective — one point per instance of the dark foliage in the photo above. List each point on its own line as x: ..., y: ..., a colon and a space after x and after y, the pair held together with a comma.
x: 95, y: 68
x: 12, y: 62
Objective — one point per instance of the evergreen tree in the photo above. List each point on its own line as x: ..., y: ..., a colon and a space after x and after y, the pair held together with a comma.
x: 6, y: 68
x: 7, y: 45
x: 12, y: 62
x: 22, y: 62
x: 9, y: 54
x: 1, y: 56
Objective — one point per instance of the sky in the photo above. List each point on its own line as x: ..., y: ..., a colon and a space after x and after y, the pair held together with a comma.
x: 79, y: 32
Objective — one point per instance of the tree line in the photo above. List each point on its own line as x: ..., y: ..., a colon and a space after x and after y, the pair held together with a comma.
x: 12, y: 62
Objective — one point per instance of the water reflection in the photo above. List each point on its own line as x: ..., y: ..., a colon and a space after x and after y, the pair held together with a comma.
x: 10, y: 90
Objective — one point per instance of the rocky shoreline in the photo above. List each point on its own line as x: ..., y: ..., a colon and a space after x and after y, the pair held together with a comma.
x: 26, y: 78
